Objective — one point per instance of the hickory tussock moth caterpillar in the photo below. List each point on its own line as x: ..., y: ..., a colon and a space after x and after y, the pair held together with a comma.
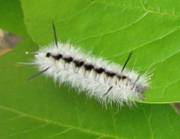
x: 104, y: 80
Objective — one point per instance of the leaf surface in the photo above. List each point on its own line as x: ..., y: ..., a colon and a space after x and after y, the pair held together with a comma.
x: 41, y: 109
x: 112, y: 29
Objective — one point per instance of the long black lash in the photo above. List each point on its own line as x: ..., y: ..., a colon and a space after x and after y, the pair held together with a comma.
x: 38, y: 73
x: 138, y: 77
x: 126, y: 62
x: 55, y: 34
x: 107, y: 92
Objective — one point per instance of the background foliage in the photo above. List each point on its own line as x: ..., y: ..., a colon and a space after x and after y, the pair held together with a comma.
x: 40, y: 108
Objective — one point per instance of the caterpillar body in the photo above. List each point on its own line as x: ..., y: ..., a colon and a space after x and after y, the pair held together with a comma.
x: 106, y: 81
x: 97, y: 77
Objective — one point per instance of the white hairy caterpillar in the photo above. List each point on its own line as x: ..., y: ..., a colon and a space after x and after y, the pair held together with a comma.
x: 99, y: 78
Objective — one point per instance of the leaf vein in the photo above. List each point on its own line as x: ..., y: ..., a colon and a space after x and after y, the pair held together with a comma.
x: 13, y: 110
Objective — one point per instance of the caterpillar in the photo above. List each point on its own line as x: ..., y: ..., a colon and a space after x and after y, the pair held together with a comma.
x: 96, y: 77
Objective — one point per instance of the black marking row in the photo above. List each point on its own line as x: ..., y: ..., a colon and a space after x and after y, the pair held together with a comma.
x: 88, y: 67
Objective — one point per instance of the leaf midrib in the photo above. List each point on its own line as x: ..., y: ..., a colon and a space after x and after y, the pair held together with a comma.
x: 47, y: 121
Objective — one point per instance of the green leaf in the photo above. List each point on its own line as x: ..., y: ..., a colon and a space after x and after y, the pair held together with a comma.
x: 40, y: 109
x: 11, y: 17
x: 43, y: 109
x: 110, y: 29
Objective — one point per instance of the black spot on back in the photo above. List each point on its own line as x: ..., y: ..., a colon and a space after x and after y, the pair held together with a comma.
x: 68, y: 59
x: 57, y: 57
x: 121, y: 77
x: 124, y: 77
x: 88, y: 66
x: 110, y: 74
x: 48, y: 54
x: 78, y: 63
x: 100, y: 70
